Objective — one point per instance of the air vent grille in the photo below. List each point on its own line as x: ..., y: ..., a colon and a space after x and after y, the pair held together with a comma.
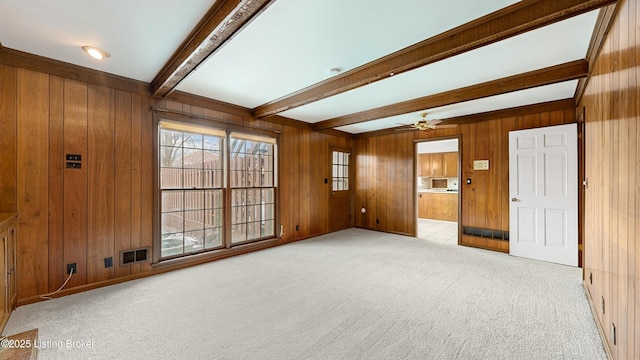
x: 486, y: 233
x: 134, y: 256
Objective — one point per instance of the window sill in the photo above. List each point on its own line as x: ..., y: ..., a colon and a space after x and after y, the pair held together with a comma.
x: 205, y: 257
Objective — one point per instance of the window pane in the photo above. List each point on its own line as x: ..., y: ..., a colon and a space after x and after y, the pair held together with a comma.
x: 194, y: 200
x: 267, y: 195
x: 172, y: 201
x: 192, y: 141
x: 238, y: 233
x: 172, y: 222
x: 170, y: 156
x: 267, y: 228
x: 172, y: 244
x: 171, y: 138
x: 213, y: 238
x: 212, y: 143
x: 253, y: 230
x: 193, y: 241
x: 192, y: 178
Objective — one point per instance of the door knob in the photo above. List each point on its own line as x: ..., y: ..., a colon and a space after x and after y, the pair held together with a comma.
x: 514, y: 199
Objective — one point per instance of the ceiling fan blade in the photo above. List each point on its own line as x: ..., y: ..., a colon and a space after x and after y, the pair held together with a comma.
x: 447, y: 126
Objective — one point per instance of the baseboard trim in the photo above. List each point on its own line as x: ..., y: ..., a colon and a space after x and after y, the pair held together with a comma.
x: 605, y: 343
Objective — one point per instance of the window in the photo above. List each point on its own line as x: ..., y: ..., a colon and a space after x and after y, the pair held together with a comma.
x: 252, y: 187
x: 193, y: 180
x: 340, y: 171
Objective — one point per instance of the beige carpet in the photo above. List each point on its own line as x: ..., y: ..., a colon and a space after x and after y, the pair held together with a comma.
x: 354, y: 294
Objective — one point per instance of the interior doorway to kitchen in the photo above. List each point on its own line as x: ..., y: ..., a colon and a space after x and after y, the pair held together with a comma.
x: 437, y: 190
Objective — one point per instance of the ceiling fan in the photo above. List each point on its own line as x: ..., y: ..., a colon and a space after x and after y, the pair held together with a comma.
x: 424, y: 124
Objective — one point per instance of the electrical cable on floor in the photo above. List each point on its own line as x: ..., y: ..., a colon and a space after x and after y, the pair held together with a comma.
x: 48, y: 296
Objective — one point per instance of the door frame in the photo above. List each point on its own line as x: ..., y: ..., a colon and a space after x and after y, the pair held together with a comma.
x: 329, y: 180
x: 415, y: 179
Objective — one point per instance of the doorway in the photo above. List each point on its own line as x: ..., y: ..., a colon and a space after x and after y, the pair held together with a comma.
x: 438, y: 174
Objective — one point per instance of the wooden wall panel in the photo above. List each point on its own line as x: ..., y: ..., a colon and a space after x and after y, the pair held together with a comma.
x: 612, y: 199
x: 8, y: 114
x: 33, y: 182
x: 75, y: 182
x: 56, y: 184
x: 136, y: 180
x: 101, y: 185
x: 146, y: 180
x: 123, y: 169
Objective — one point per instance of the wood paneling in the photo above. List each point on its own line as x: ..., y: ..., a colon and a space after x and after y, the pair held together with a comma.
x: 57, y: 166
x: 85, y: 215
x: 484, y: 203
x: 101, y: 185
x: 73, y: 141
x: 612, y: 198
x: 32, y: 169
x: 8, y: 180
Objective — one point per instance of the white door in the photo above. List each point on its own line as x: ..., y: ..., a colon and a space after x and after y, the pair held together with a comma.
x: 543, y: 189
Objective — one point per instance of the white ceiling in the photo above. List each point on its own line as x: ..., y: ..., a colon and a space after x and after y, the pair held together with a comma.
x: 293, y: 44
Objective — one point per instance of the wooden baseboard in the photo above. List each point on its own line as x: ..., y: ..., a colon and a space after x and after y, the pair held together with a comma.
x: 605, y: 343
x: 506, y: 251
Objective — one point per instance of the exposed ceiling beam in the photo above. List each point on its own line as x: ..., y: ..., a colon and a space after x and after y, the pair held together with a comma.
x: 516, y: 19
x: 555, y: 105
x: 550, y: 75
x: 223, y: 20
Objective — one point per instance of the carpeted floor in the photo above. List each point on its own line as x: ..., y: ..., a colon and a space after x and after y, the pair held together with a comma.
x: 354, y: 294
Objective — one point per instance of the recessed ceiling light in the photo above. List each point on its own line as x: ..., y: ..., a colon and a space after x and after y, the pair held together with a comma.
x: 95, y: 52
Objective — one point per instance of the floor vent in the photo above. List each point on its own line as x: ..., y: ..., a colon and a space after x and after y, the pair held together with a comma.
x: 134, y: 256
x: 486, y: 233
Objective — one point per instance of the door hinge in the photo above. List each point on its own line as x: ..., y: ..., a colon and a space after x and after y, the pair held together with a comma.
x: 585, y: 183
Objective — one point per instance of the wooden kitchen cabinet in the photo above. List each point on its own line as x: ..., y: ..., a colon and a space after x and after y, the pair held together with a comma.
x: 8, y: 294
x: 425, y: 164
x: 450, y: 164
x: 437, y: 165
x: 438, y: 206
x: 422, y: 206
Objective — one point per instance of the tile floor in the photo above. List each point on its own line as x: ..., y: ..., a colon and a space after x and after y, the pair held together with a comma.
x: 445, y: 232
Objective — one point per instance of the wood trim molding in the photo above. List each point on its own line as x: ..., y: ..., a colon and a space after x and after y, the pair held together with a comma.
x: 41, y: 64
x: 221, y: 23
x: 513, y: 20
x: 550, y: 75
x: 490, y: 115
x: 600, y: 31
x: 207, y: 103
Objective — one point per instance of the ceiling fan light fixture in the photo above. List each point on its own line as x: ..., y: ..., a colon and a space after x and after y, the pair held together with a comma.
x: 95, y: 52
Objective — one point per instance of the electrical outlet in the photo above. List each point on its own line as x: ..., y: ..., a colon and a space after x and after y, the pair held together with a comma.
x: 297, y: 227
x: 602, y: 298
x: 591, y: 278
x: 71, y: 267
